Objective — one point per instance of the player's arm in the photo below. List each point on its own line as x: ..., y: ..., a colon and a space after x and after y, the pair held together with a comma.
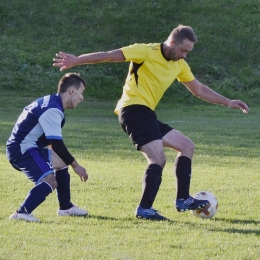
x: 50, y: 122
x: 66, y: 61
x: 61, y: 150
x: 209, y: 95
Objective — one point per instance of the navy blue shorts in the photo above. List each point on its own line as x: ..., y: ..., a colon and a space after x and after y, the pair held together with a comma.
x: 35, y: 163
x: 141, y: 125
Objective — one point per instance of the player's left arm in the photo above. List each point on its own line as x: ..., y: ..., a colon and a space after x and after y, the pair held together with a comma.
x: 50, y: 121
x: 204, y: 92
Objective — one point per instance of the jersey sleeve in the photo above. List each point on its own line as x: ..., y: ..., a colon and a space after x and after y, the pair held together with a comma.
x: 135, y: 52
x: 50, y: 122
x: 185, y: 74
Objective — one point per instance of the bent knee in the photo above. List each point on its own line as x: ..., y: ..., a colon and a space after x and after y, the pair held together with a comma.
x: 190, y: 146
x: 187, y: 148
x: 54, y: 185
x: 51, y: 180
x: 161, y: 160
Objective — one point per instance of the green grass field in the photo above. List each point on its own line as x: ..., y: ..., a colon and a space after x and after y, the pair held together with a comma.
x: 226, y: 160
x: 225, y: 163
x: 226, y: 56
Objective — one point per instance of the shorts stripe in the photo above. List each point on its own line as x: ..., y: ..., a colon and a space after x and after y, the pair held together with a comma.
x: 41, y: 163
x: 35, y: 163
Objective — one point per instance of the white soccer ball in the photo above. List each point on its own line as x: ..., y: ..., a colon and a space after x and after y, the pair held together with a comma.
x: 210, y: 210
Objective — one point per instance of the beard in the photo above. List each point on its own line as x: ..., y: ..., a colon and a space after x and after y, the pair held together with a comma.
x: 173, y: 55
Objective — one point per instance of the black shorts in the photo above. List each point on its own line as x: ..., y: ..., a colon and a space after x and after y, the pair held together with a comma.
x: 141, y: 124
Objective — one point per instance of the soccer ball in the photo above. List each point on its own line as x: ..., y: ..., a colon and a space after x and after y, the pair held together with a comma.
x: 210, y: 210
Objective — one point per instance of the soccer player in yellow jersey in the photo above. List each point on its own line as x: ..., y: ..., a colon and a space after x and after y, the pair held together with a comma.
x: 153, y: 68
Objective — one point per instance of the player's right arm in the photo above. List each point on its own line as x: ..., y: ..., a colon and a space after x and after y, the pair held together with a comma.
x: 66, y: 61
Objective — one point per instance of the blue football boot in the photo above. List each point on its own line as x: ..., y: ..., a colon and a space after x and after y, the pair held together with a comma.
x: 190, y: 204
x: 150, y: 213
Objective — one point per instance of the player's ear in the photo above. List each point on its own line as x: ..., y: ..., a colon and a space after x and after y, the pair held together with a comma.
x: 172, y: 43
x: 71, y: 90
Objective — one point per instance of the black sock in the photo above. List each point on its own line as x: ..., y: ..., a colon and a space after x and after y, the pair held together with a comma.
x: 151, y: 184
x: 63, y: 188
x: 182, y: 175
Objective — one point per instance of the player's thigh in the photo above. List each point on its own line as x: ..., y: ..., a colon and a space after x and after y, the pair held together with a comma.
x: 154, y: 152
x: 179, y: 142
x: 35, y: 163
x: 56, y: 161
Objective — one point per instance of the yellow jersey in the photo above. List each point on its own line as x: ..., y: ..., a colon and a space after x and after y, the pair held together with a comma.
x: 150, y: 75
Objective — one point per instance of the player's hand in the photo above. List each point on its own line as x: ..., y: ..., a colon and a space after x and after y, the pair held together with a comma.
x: 239, y: 105
x: 81, y: 171
x: 65, y: 60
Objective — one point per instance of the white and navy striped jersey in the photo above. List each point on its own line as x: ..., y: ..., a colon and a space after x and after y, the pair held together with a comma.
x: 39, y: 122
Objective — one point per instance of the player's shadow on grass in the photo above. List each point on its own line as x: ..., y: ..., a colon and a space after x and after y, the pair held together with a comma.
x: 232, y: 229
x: 239, y: 221
x: 98, y: 217
x: 241, y: 231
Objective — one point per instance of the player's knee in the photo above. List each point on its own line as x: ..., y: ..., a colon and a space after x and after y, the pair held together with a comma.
x: 162, y: 160
x: 191, y: 146
x: 54, y: 184
x: 51, y: 180
x: 188, y: 147
x: 159, y: 159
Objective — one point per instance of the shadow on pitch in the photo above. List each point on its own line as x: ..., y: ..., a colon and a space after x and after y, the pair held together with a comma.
x: 130, y: 219
x: 233, y: 229
x: 239, y: 221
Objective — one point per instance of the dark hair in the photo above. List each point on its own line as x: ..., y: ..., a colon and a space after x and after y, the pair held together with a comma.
x: 181, y: 33
x: 68, y: 80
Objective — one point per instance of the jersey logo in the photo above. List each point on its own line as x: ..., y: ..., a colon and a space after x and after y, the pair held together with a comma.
x: 50, y: 165
x: 46, y: 100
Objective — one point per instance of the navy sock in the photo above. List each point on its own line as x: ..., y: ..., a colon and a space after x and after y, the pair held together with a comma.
x: 182, y: 175
x: 63, y: 188
x: 151, y: 183
x: 35, y: 197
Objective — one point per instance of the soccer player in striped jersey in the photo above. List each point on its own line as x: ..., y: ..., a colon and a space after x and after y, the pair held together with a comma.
x: 153, y: 68
x: 36, y: 148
